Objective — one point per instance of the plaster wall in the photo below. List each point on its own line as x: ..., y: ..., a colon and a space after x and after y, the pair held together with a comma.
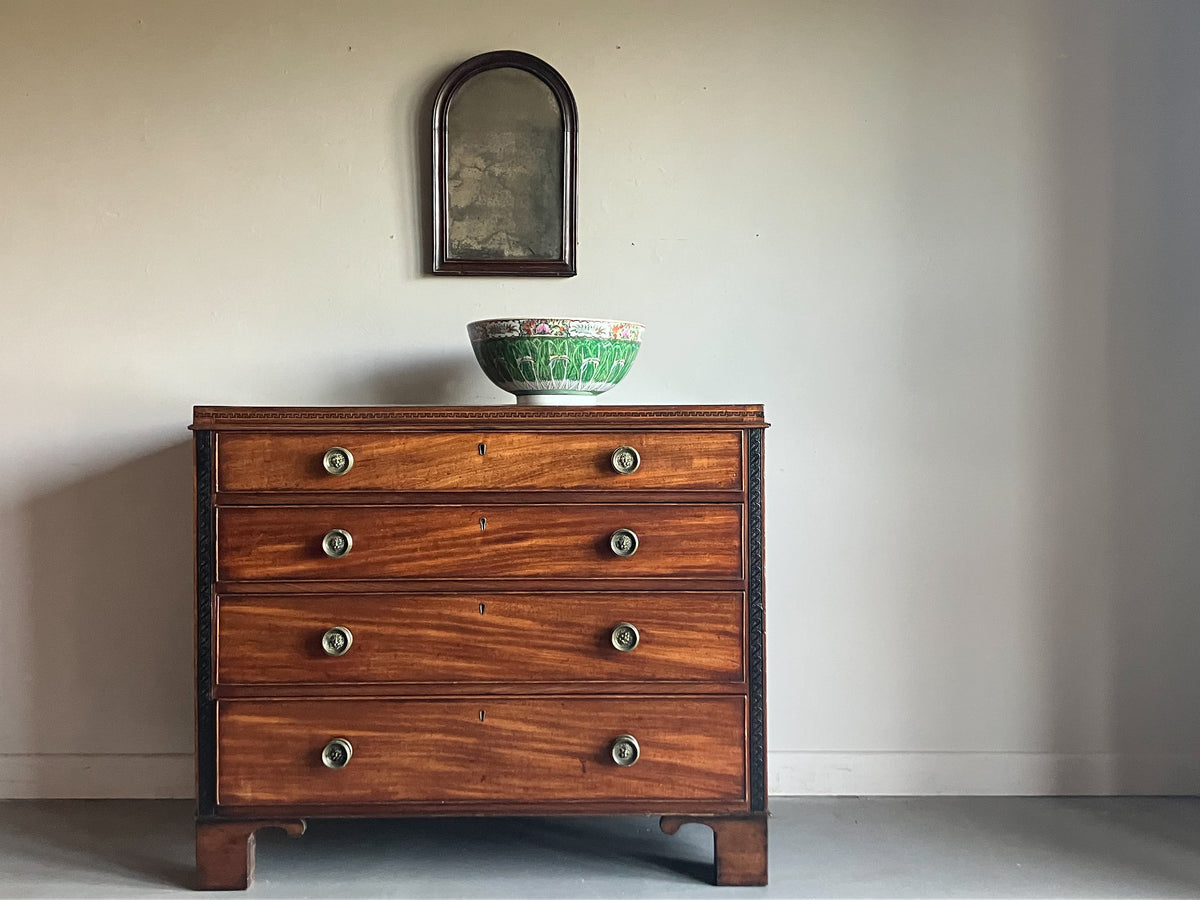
x: 950, y: 246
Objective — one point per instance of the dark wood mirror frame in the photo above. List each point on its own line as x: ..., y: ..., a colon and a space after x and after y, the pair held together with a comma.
x: 444, y: 262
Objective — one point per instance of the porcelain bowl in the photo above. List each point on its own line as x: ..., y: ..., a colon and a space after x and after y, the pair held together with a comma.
x: 555, y: 361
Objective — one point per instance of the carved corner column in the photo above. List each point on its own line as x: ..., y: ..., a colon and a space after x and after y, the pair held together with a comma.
x: 225, y: 851
x: 739, y: 845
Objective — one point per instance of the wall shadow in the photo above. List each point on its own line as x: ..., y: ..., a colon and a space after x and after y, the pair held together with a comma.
x: 412, y: 126
x: 110, y: 603
x: 434, y: 380
x: 1154, y: 360
x: 110, y: 610
x: 1122, y: 407
x: 1052, y: 555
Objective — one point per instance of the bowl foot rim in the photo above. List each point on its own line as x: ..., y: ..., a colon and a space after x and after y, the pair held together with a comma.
x: 557, y: 399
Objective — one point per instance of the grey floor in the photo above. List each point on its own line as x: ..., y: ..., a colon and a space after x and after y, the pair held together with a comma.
x: 860, y: 848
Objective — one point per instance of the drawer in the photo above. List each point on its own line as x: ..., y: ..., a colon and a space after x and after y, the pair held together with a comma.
x: 487, y: 541
x: 480, y: 461
x: 280, y: 639
x: 512, y: 749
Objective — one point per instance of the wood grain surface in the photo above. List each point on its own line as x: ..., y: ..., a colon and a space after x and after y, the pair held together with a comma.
x: 509, y: 417
x: 225, y: 851
x: 500, y: 540
x: 739, y: 846
x: 276, y: 639
x: 481, y: 591
x: 692, y: 749
x: 473, y: 461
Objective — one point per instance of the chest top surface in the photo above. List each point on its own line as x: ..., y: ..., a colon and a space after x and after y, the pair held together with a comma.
x: 374, y: 418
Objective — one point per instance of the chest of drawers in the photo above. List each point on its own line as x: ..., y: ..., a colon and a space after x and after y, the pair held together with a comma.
x: 477, y: 611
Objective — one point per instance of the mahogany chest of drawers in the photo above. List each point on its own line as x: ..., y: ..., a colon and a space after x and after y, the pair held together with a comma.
x: 472, y: 611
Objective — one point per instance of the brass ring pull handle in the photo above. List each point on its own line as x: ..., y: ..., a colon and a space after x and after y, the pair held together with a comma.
x: 626, y: 750
x: 337, y: 640
x: 337, y: 753
x: 625, y: 637
x: 337, y: 543
x: 625, y: 460
x: 624, y: 542
x: 338, y: 460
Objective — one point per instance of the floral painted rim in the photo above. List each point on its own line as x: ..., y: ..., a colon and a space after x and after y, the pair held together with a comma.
x: 607, y: 329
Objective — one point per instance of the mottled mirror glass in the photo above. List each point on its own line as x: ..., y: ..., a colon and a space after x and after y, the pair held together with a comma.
x: 504, y: 131
x: 504, y: 168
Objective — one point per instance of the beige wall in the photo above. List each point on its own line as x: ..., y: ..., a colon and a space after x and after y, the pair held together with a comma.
x: 951, y: 246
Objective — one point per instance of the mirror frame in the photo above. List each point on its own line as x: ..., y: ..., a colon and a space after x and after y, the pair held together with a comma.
x: 443, y: 263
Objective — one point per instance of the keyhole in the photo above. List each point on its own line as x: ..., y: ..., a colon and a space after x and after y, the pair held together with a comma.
x: 483, y: 523
x: 482, y: 607
x: 482, y: 714
x: 482, y: 449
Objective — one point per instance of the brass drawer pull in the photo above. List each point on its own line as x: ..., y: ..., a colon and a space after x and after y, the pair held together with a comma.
x: 625, y: 460
x: 625, y: 637
x: 338, y: 460
x: 624, y: 542
x: 337, y: 640
x: 626, y: 750
x: 337, y: 543
x: 337, y: 753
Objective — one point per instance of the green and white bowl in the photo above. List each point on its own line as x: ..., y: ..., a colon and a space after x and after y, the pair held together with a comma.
x: 555, y: 361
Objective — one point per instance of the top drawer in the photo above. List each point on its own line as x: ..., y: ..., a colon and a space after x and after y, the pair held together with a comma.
x: 480, y: 461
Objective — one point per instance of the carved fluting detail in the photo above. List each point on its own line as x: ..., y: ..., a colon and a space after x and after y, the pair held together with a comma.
x: 206, y: 722
x: 757, y: 615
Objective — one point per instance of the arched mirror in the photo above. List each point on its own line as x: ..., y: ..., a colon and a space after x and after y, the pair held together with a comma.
x: 504, y: 131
